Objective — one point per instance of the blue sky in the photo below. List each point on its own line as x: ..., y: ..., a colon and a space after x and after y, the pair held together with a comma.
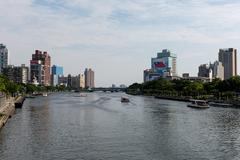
x: 117, y: 38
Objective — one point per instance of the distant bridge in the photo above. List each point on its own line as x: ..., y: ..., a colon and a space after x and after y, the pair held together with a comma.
x: 117, y: 89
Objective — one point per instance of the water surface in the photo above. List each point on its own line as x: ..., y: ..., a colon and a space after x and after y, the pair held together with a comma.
x: 65, y: 126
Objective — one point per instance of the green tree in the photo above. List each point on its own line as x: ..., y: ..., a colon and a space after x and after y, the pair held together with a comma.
x: 195, y: 88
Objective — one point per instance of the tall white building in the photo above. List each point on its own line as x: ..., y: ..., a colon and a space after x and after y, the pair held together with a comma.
x: 218, y: 70
x: 89, y: 78
x: 82, y: 81
x: 3, y: 57
x: 163, y: 66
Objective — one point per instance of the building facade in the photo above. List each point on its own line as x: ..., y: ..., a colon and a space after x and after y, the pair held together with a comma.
x: 149, y: 75
x: 69, y: 80
x: 89, y: 78
x: 228, y: 57
x: 40, y: 67
x: 3, y: 57
x: 17, y: 74
x: 196, y: 79
x: 73, y: 82
x: 211, y: 70
x: 56, y: 72
x: 62, y: 80
x: 204, y: 70
x: 164, y: 65
x: 217, y: 70
x: 82, y: 81
x: 185, y: 75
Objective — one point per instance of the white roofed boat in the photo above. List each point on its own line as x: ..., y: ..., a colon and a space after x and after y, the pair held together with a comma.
x: 200, y: 104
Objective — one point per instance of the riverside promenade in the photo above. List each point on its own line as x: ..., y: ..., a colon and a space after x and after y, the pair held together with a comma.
x: 7, y: 109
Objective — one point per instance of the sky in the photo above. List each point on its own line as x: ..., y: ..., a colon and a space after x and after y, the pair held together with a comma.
x: 117, y: 38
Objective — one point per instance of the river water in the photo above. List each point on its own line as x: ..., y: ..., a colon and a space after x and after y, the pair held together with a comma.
x: 64, y: 126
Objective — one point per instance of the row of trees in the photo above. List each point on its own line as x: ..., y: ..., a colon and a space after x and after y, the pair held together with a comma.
x: 11, y: 89
x: 217, y: 88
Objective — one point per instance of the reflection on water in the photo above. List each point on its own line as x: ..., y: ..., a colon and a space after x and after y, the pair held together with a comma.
x: 99, y: 126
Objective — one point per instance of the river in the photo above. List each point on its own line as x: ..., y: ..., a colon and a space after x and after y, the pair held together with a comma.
x: 64, y: 126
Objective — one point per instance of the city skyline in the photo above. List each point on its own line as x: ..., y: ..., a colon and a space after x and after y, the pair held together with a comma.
x: 117, y: 39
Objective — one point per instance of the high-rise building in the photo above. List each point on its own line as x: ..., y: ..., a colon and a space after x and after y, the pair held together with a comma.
x: 17, y: 74
x: 40, y: 67
x: 89, y: 78
x: 75, y: 82
x: 228, y: 57
x: 3, y: 57
x: 82, y: 81
x: 217, y: 70
x: 56, y: 72
x: 204, y: 70
x: 164, y: 65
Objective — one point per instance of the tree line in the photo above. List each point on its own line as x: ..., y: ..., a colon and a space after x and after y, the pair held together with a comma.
x: 217, y: 89
x: 11, y: 88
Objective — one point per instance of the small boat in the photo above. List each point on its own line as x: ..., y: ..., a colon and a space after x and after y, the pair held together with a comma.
x: 44, y: 95
x: 124, y: 99
x: 200, y: 104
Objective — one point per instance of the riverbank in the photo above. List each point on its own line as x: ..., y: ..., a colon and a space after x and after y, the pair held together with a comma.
x: 212, y: 102
x: 8, y: 106
x: 6, y: 111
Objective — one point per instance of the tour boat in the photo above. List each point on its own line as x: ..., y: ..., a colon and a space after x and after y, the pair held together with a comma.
x: 124, y: 99
x: 44, y: 95
x: 201, y: 104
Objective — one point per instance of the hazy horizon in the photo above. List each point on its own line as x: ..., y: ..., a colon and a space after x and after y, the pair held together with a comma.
x: 118, y: 38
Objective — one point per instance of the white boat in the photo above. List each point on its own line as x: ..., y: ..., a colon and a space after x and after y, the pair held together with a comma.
x: 44, y: 95
x: 200, y: 104
x: 124, y: 99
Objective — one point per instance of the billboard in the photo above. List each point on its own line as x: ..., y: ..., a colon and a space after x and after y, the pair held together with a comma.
x: 161, y: 65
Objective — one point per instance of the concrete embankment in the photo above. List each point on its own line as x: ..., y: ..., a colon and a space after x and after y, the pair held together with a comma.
x: 19, y: 102
x: 6, y: 111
